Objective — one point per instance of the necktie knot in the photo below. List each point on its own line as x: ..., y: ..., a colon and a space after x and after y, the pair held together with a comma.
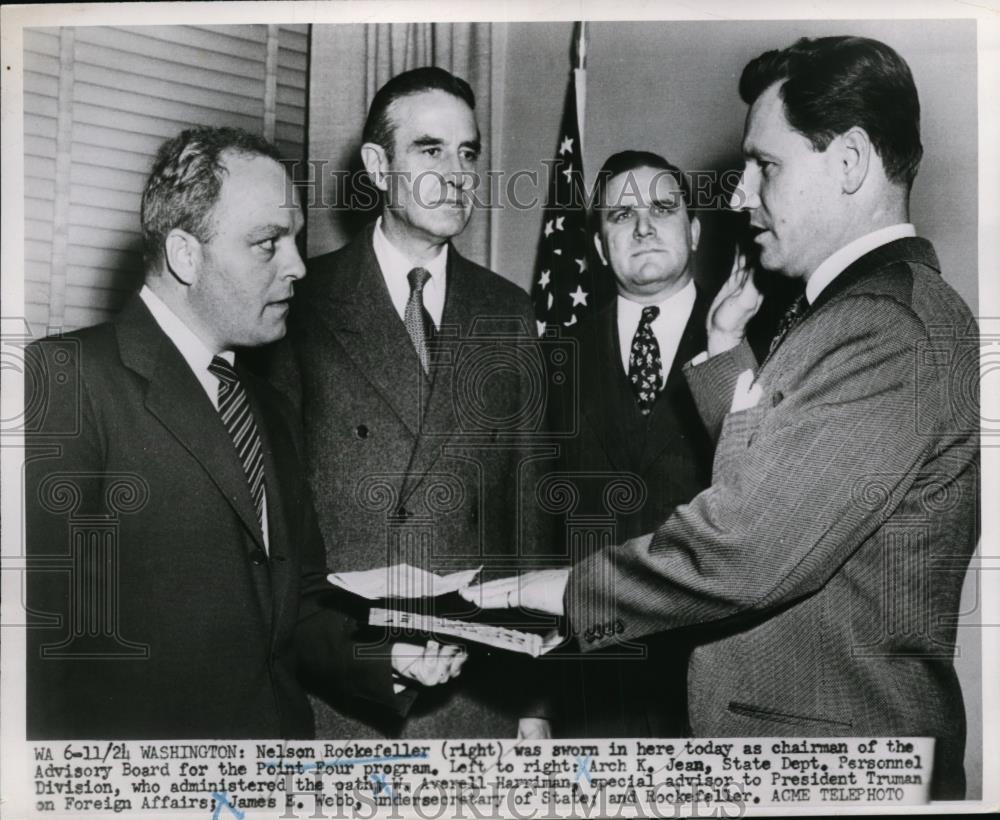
x: 418, y: 278
x: 649, y: 315
x: 223, y: 371
x: 791, y: 317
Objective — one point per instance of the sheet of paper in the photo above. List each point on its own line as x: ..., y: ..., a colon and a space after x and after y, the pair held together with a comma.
x: 401, y: 581
x: 500, y: 637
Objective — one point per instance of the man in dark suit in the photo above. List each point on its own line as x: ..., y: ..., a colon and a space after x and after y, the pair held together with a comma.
x: 823, y: 567
x: 177, y: 571
x: 404, y: 359
x: 639, y: 421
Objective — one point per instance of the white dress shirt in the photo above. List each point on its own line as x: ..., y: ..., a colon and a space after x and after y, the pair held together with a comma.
x: 667, y: 327
x: 396, y: 267
x: 198, y: 357
x: 838, y: 261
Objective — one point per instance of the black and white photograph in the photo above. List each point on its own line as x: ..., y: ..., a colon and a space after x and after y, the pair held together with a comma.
x: 417, y: 409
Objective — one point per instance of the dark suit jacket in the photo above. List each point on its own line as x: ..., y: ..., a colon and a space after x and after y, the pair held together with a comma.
x: 666, y: 459
x: 166, y: 617
x: 435, y: 472
x: 825, y: 563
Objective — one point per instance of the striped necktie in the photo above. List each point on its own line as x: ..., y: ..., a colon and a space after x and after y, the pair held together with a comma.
x: 234, y: 408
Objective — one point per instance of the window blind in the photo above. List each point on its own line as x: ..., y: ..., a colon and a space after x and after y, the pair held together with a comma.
x: 98, y: 102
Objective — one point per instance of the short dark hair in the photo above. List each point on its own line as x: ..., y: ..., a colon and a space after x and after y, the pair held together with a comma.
x: 185, y: 182
x: 625, y: 161
x: 379, y: 127
x: 832, y: 84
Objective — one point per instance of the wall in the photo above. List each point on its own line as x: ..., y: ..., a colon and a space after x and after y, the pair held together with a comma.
x: 98, y: 102
x: 671, y: 87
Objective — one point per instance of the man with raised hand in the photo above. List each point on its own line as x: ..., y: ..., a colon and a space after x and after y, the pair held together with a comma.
x: 823, y: 567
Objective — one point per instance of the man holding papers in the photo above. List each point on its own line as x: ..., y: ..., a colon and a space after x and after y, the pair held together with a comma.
x: 821, y: 571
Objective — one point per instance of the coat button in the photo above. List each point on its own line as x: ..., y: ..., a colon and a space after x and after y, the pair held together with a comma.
x: 258, y: 557
x: 777, y: 398
x: 361, y: 431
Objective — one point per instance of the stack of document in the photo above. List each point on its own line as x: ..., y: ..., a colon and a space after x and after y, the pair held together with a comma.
x: 413, y: 600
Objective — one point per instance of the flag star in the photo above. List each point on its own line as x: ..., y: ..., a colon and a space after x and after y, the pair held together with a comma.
x: 548, y: 228
x: 541, y: 327
x: 566, y: 145
x: 543, y: 280
x: 559, y: 222
x: 550, y: 302
x: 568, y: 172
x: 557, y: 251
x: 571, y: 322
x: 579, y: 297
x: 582, y: 263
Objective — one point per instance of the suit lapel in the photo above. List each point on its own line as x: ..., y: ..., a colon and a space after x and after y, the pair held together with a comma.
x: 909, y: 249
x: 665, y: 424
x: 278, y: 515
x: 362, y: 318
x: 606, y: 397
x: 176, y: 398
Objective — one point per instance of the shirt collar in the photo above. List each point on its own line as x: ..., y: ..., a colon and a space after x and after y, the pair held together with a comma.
x: 675, y: 304
x: 837, y: 262
x: 195, y: 352
x: 396, y: 264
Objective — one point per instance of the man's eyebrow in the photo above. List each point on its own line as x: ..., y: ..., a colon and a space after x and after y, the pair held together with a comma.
x: 272, y: 229
x: 753, y: 152
x: 476, y: 145
x: 669, y: 201
x: 426, y: 141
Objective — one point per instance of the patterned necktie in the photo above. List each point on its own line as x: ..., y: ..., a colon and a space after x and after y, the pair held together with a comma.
x: 792, y: 316
x: 644, y: 363
x: 417, y: 320
x: 238, y: 418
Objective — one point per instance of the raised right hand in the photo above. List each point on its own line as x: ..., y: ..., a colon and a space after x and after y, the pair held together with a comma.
x: 736, y: 303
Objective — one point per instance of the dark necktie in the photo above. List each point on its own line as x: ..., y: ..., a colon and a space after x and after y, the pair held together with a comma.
x: 416, y: 318
x: 234, y: 408
x: 644, y: 363
x: 792, y: 316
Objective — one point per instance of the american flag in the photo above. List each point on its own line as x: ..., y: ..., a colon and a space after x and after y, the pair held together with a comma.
x: 563, y: 289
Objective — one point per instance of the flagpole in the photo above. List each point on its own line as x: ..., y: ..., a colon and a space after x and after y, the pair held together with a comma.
x: 580, y: 76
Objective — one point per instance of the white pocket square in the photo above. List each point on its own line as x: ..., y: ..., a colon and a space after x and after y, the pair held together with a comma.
x: 747, y: 394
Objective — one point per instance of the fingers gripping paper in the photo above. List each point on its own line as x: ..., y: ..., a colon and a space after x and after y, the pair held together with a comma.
x: 403, y: 582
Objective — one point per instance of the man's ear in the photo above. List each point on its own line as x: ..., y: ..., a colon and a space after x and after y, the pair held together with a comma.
x: 599, y: 244
x: 855, y: 156
x: 183, y: 255
x: 695, y: 232
x: 376, y: 164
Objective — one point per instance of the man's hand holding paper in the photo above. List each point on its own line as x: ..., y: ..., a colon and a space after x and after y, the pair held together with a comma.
x: 541, y: 591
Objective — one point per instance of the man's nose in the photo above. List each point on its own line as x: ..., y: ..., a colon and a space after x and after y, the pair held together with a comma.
x: 745, y: 195
x: 643, y: 224
x: 292, y: 266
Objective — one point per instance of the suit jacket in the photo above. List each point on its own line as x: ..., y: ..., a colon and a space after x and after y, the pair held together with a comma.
x: 821, y: 572
x: 433, y: 471
x: 666, y: 458
x: 158, y: 613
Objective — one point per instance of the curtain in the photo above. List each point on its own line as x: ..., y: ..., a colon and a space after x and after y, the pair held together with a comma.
x: 347, y: 65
